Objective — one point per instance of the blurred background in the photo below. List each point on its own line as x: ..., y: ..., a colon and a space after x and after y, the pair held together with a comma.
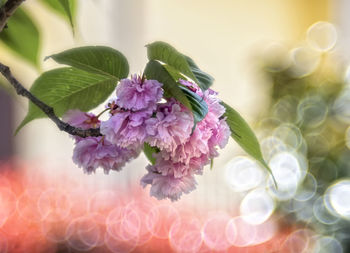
x: 282, y: 64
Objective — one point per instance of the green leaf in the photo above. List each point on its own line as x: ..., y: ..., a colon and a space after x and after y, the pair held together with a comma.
x: 22, y: 36
x: 69, y: 88
x: 198, y: 105
x: 164, y: 52
x: 203, y: 79
x: 148, y: 150
x: 244, y: 136
x: 65, y: 8
x: 95, y: 59
x: 2, y: 2
x: 156, y: 71
x: 166, y: 75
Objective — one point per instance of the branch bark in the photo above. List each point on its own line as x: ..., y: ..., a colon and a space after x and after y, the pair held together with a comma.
x: 49, y: 111
x: 7, y: 11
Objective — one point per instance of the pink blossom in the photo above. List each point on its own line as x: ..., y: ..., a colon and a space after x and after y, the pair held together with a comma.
x: 188, y: 157
x: 126, y: 129
x: 209, y: 95
x: 221, y: 134
x: 192, y: 86
x: 93, y: 152
x: 167, y: 186
x: 81, y: 119
x: 171, y: 127
x: 165, y: 165
x: 195, y: 146
x: 138, y: 93
x: 200, y: 142
x: 213, y: 103
x: 220, y: 130
x: 136, y: 118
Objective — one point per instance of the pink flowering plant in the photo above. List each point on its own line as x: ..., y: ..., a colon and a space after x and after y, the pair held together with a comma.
x: 169, y: 113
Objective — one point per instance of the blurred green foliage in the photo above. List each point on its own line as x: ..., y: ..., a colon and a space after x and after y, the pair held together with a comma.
x: 22, y: 36
x: 315, y: 103
x: 66, y: 8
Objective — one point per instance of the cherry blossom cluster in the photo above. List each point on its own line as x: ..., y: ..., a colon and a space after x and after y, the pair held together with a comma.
x: 140, y: 114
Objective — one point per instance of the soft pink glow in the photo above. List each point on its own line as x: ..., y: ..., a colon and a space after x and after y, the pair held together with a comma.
x: 71, y: 215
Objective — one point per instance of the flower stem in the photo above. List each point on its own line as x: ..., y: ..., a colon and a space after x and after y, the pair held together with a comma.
x: 102, y: 112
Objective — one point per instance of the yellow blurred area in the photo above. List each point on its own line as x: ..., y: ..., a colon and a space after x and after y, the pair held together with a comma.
x: 224, y: 37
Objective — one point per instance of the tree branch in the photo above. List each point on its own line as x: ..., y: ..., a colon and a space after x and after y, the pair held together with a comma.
x: 7, y: 11
x: 63, y: 126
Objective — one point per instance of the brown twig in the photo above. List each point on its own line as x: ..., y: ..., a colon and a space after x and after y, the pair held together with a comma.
x: 7, y: 11
x: 63, y: 126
